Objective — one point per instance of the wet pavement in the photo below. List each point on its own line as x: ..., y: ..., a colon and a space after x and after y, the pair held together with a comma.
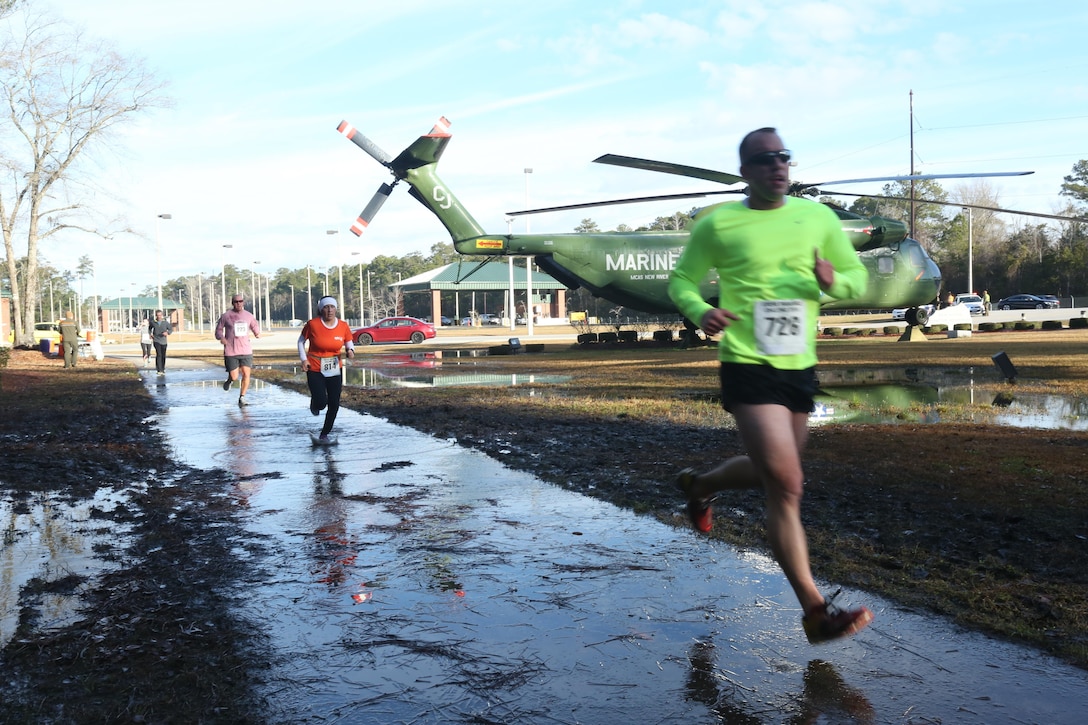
x: 408, y: 579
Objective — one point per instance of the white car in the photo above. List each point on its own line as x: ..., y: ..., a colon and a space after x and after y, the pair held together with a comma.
x: 973, y: 302
x: 900, y: 313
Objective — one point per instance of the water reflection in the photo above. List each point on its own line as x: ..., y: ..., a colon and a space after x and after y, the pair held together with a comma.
x: 955, y: 402
x: 374, y: 378
x: 824, y: 698
x: 52, y: 549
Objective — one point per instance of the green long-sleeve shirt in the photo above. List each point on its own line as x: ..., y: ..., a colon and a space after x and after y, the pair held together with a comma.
x: 767, y: 256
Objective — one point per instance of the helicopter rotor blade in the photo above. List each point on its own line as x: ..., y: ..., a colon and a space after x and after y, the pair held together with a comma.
x: 666, y: 167
x: 441, y: 127
x: 807, y: 188
x: 965, y: 206
x: 376, y: 152
x: 633, y: 200
x: 363, y: 220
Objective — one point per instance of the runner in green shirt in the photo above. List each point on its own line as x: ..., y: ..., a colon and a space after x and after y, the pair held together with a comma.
x: 776, y: 257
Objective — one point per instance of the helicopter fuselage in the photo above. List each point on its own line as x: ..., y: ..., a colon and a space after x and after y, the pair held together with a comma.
x: 632, y: 268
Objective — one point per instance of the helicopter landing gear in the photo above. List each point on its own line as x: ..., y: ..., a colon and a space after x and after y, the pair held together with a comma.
x: 690, y: 335
x: 917, y: 316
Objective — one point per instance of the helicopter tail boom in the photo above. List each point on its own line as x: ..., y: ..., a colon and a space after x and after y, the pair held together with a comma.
x: 417, y: 166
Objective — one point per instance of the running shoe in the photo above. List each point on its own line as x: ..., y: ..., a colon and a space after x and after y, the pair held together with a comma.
x: 829, y: 622
x: 700, y: 514
x: 226, y: 384
x: 314, y: 410
x: 242, y: 401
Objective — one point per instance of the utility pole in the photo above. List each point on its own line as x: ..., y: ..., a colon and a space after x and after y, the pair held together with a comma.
x: 911, y: 235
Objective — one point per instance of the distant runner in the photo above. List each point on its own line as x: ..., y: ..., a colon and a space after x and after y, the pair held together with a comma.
x: 326, y: 336
x: 233, y: 330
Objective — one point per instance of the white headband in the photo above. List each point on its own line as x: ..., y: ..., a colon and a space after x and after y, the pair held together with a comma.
x: 326, y: 301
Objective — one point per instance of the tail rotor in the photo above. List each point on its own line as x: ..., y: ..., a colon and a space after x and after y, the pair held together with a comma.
x: 399, y: 166
x: 376, y: 201
x: 376, y: 152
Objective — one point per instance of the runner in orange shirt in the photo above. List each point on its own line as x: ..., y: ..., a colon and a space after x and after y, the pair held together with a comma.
x: 326, y: 336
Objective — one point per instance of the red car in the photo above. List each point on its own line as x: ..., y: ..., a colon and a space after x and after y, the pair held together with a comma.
x: 394, y: 329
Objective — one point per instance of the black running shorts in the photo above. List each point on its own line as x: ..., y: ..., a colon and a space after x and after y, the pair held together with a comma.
x: 765, y: 385
x: 233, y: 362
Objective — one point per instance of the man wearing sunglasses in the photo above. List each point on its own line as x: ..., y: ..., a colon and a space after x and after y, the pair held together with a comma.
x: 233, y: 330
x: 776, y: 256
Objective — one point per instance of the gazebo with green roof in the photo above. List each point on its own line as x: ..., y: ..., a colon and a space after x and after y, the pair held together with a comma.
x: 125, y: 314
x: 546, y: 293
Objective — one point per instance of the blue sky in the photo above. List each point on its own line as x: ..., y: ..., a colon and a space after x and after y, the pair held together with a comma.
x: 249, y: 155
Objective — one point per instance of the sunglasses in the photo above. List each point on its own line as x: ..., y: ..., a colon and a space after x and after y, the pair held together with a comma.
x: 769, y: 158
x: 237, y: 301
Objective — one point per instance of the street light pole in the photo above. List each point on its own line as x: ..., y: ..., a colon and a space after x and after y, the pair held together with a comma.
x: 368, y: 296
x: 158, y: 255
x: 362, y: 314
x: 528, y: 267
x: 292, y: 300
x: 268, y: 301
x: 528, y: 171
x: 340, y: 268
x: 223, y: 278
x: 256, y: 291
x: 200, y: 300
x: 970, y: 252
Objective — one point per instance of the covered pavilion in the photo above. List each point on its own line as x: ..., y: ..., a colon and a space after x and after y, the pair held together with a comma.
x: 547, y: 296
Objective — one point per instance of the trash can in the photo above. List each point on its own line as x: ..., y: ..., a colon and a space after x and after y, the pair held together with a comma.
x: 44, y: 346
x: 89, y: 335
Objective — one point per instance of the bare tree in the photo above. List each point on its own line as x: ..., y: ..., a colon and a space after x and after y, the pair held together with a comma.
x: 63, y: 94
x: 7, y: 7
x: 987, y: 231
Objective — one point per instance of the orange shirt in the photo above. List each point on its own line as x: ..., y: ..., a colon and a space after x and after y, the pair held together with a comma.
x: 323, y: 354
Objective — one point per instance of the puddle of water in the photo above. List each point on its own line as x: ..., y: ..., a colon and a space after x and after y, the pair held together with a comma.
x: 414, y: 370
x: 48, y: 538
x: 370, y: 378
x: 414, y: 580
x: 918, y: 403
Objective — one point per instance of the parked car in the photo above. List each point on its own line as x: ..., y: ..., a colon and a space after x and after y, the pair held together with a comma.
x: 47, y: 330
x: 42, y: 331
x: 973, y: 303
x: 394, y: 329
x: 900, y: 313
x: 1026, y: 302
x: 480, y: 320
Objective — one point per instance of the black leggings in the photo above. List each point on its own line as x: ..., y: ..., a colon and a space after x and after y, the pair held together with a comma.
x: 325, y: 392
x: 160, y: 356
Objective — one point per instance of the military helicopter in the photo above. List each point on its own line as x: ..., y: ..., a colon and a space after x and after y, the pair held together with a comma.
x: 632, y: 268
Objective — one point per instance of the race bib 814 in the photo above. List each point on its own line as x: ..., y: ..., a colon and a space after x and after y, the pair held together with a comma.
x: 330, y: 366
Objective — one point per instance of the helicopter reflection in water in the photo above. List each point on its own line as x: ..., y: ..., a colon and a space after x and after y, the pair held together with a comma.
x: 957, y: 403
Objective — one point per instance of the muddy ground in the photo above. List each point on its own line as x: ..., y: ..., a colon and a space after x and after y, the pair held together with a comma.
x: 985, y: 525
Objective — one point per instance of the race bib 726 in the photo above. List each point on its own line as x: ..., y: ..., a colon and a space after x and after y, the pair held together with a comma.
x: 779, y: 327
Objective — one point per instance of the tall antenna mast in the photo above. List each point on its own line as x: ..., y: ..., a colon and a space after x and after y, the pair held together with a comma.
x: 911, y: 235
